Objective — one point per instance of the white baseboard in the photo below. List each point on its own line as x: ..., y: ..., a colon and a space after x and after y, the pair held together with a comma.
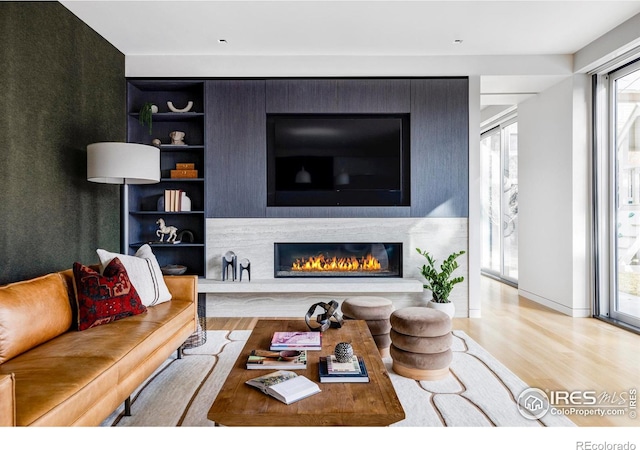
x: 474, y: 314
x: 573, y: 312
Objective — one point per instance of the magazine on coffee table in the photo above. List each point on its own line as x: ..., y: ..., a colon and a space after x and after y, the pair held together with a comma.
x: 286, y: 386
x: 296, y: 340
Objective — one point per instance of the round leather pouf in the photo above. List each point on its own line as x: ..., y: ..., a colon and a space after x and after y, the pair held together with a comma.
x: 420, y: 321
x: 367, y: 308
x: 427, y: 361
x: 382, y: 340
x: 382, y: 326
x: 420, y: 374
x: 417, y: 344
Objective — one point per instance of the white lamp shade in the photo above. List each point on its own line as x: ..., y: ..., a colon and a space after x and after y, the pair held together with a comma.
x: 123, y: 163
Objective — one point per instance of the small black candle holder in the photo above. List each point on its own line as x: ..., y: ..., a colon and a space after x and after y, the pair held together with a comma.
x: 229, y: 261
x: 245, y: 265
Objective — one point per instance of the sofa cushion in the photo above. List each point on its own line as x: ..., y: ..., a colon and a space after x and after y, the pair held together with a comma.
x: 105, y: 298
x: 145, y: 274
x: 32, y: 312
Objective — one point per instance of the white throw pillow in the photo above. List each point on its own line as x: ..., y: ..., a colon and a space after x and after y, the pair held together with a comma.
x: 144, y: 272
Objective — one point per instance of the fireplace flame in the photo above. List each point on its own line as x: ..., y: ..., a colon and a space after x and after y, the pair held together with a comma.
x: 322, y: 264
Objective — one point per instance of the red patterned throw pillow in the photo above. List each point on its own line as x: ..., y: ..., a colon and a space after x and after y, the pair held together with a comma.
x: 104, y: 298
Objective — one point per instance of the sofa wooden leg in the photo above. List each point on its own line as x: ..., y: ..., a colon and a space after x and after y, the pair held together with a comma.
x: 127, y: 406
x: 179, y: 353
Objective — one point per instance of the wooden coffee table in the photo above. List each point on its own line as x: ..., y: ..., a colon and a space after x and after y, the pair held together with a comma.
x: 354, y: 404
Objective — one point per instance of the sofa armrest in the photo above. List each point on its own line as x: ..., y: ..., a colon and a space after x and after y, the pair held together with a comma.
x: 183, y: 287
x: 7, y: 401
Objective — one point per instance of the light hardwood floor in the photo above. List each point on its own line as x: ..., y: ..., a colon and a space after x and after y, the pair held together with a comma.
x: 546, y: 349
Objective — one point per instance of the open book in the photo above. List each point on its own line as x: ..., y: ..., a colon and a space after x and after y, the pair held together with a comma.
x: 286, y: 386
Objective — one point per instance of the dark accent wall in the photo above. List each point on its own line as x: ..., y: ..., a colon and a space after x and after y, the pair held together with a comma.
x: 236, y: 148
x: 439, y: 141
x: 440, y: 147
x: 63, y: 87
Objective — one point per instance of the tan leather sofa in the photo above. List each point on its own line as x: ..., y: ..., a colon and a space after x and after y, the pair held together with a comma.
x: 52, y: 375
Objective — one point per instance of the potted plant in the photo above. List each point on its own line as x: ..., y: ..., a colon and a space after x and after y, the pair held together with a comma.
x: 146, y: 115
x: 440, y: 282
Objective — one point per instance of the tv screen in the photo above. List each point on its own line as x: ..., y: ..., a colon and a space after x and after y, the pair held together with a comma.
x: 338, y: 160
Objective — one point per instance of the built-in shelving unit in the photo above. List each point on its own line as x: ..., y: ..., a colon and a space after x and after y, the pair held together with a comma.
x: 145, y: 208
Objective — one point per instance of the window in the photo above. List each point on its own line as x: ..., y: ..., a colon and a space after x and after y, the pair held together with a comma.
x: 499, y: 200
x: 617, y: 194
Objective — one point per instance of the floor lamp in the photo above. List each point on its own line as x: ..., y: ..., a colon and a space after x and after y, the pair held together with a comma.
x: 123, y: 163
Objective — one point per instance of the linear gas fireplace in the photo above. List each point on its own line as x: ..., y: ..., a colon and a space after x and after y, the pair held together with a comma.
x: 337, y: 260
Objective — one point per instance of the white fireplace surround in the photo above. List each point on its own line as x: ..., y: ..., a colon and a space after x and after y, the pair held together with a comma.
x: 267, y: 296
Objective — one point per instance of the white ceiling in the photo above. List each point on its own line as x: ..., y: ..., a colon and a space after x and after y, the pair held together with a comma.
x: 372, y: 29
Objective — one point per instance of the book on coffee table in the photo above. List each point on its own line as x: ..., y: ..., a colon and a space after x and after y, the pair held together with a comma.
x: 335, y: 367
x: 296, y: 340
x: 282, y: 360
x: 286, y: 386
x: 362, y: 376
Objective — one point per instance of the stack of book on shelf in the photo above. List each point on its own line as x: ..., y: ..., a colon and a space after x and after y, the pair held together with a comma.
x: 296, y: 340
x: 286, y: 386
x: 332, y: 371
x: 286, y: 359
x: 174, y: 199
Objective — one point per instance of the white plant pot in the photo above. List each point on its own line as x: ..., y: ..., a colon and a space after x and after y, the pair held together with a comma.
x: 448, y: 308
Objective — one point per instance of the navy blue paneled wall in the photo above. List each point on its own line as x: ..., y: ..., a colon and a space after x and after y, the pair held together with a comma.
x: 63, y: 87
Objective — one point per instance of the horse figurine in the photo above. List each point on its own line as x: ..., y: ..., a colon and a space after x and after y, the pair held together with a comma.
x: 164, y: 229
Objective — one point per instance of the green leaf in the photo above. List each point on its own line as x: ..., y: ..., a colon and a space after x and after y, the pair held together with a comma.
x: 440, y: 283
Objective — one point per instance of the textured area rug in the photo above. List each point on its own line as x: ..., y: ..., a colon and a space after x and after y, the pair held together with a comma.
x: 478, y: 392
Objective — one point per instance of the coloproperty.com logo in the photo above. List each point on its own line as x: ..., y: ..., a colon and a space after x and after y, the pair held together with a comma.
x: 534, y: 403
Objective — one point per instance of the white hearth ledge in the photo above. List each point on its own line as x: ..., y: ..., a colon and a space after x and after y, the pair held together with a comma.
x: 311, y: 285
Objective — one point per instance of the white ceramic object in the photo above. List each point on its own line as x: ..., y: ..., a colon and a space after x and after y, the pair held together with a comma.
x: 186, y: 202
x: 177, y: 137
x: 448, y: 308
x: 179, y: 110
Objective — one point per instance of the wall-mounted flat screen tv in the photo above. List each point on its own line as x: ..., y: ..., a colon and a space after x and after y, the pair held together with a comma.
x: 338, y: 160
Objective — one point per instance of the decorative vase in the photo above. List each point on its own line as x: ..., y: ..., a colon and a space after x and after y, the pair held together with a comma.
x: 343, y: 352
x: 186, y: 202
x: 448, y: 308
